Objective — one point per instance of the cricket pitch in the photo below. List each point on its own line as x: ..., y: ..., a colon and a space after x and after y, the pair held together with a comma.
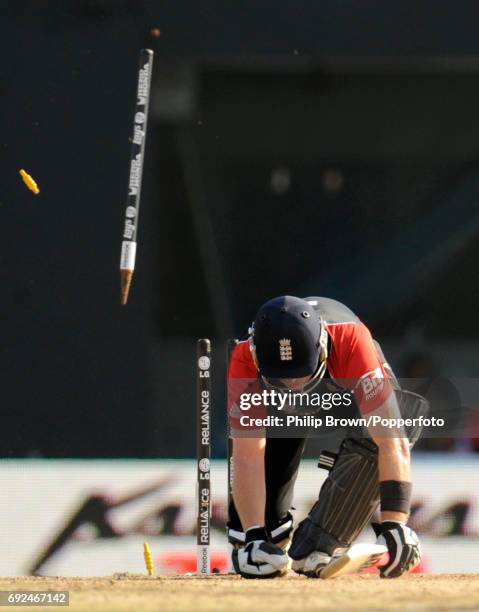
x: 365, y: 592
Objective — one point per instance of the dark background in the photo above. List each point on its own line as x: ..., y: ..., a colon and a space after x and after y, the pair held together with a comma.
x: 326, y: 148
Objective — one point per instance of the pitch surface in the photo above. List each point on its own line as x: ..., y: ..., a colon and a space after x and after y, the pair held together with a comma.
x: 138, y: 593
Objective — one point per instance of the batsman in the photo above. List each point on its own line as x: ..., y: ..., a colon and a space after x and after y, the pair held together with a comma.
x: 297, y: 345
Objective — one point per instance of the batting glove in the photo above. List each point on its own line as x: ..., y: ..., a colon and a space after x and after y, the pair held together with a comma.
x: 259, y: 558
x: 403, y: 546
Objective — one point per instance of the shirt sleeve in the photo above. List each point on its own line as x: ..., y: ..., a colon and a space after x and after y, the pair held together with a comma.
x: 242, y: 383
x: 356, y: 365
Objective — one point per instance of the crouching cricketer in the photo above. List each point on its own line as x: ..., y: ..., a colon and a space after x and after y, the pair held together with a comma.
x: 294, y: 344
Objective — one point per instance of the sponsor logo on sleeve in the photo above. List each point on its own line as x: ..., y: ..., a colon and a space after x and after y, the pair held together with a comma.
x: 372, y: 383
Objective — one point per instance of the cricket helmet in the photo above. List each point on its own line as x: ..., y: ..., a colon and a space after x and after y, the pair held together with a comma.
x: 288, y: 339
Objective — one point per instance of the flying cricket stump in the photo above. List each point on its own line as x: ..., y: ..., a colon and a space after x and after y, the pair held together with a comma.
x: 140, y: 122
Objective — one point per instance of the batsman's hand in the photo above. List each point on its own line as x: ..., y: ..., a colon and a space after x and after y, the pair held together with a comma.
x: 403, y: 546
x: 260, y: 558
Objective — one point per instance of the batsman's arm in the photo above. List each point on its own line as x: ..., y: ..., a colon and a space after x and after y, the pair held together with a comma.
x: 393, y: 454
x: 249, y: 488
x: 395, y: 494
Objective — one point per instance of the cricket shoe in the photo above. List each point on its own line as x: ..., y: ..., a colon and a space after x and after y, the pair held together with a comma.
x: 312, y: 565
x: 354, y: 559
